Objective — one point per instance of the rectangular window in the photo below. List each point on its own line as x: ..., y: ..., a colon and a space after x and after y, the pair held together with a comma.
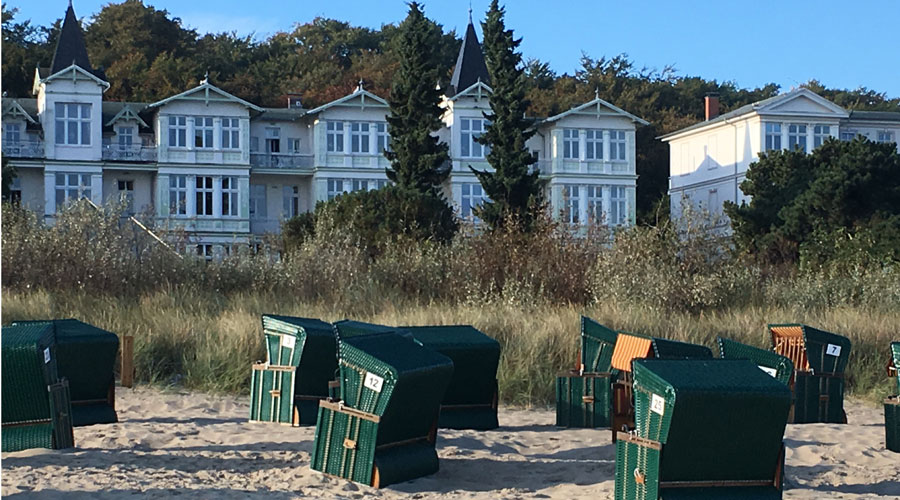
x: 335, y: 137
x: 472, y: 198
x: 571, y: 204
x: 205, y: 251
x: 570, y: 143
x: 797, y: 136
x: 885, y: 136
x: 178, y: 192
x: 383, y: 141
x: 71, y: 187
x: 773, y: 136
x: 291, y: 199
x: 73, y: 124
x: 380, y: 183
x: 203, y: 132
x: 848, y: 135
x: 231, y: 133
x: 125, y: 136
x: 204, y: 193
x: 126, y: 195
x: 15, y: 191
x: 258, y: 207
x: 595, y: 204
x: 335, y: 187
x: 820, y: 134
x: 712, y: 204
x: 177, y: 132
x: 360, y: 185
x: 618, y: 213
x: 471, y: 129
x: 13, y: 132
x: 616, y: 144
x: 229, y: 196
x: 359, y: 137
x: 594, y: 145
x: 294, y: 145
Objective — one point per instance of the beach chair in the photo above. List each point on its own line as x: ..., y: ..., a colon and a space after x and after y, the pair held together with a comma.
x: 584, y: 395
x: 301, y: 363
x: 470, y: 401
x: 630, y: 347
x: 383, y: 429
x: 36, y: 404
x: 819, y: 359
x: 892, y: 403
x: 86, y: 357
x: 772, y: 363
x: 710, y: 429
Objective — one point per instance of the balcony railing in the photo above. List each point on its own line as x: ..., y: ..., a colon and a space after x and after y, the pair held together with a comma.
x: 23, y: 149
x: 281, y: 160
x: 116, y: 152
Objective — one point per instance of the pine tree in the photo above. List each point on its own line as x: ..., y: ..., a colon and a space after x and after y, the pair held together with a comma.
x: 418, y: 160
x: 515, y: 190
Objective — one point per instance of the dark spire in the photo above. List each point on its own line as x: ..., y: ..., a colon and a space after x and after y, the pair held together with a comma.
x: 470, y: 66
x: 70, y: 48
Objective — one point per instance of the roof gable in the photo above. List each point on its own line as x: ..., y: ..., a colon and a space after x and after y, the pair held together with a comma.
x: 478, y: 90
x: 207, y: 93
x: 470, y: 66
x: 365, y: 98
x: 801, y: 101
x: 127, y: 113
x: 14, y: 109
x: 597, y: 108
x: 74, y: 71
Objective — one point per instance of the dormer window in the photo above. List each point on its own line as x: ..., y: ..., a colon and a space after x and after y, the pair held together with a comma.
x: 125, y: 136
x: 13, y: 132
x: 73, y: 124
x: 203, y: 132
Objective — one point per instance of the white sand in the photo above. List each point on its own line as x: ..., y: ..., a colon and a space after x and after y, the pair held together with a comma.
x: 201, y: 446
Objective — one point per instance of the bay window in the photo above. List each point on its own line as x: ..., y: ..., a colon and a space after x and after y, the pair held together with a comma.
x: 471, y: 129
x: 204, y: 195
x: 595, y: 204
x: 571, y: 203
x: 178, y: 194
x: 618, y: 214
x: 229, y: 197
x: 472, y: 197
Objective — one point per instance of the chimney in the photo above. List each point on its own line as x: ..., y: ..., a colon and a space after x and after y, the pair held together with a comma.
x: 712, y: 105
x: 293, y: 101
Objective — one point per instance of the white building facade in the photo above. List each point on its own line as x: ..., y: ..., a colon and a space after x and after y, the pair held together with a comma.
x: 225, y: 170
x: 709, y: 160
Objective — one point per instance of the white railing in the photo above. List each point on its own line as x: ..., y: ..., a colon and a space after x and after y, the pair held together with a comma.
x: 23, y: 149
x: 281, y: 160
x: 116, y: 152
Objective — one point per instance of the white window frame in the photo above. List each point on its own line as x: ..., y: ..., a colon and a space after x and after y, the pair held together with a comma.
x: 230, y: 196
x: 178, y: 132
x: 203, y: 132
x: 359, y: 137
x: 334, y: 137
x: 205, y: 250
x: 294, y: 145
x: 291, y: 201
x: 472, y: 196
x: 70, y: 186
x: 125, y: 136
x: 618, y: 201
x: 885, y: 136
x: 258, y: 202
x: 73, y: 117
x: 469, y: 130
x: 231, y: 133
x: 126, y: 193
x: 821, y: 132
x: 382, y: 137
x: 797, y: 136
x: 772, y: 136
x: 178, y: 195
x: 571, y: 198
x: 617, y: 145
x: 593, y: 147
x: 595, y: 204
x: 359, y: 185
x: 204, y: 196
x: 12, y: 132
x: 570, y: 144
x: 335, y: 187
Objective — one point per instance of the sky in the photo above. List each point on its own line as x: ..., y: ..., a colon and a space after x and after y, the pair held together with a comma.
x: 842, y: 44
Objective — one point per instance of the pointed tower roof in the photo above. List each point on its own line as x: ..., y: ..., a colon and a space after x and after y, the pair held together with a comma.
x: 70, y: 48
x: 470, y: 67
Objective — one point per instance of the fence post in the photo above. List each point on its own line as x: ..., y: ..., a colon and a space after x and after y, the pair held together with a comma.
x: 128, y: 361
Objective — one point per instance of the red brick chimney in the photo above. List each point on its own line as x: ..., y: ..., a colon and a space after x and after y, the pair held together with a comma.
x: 712, y: 106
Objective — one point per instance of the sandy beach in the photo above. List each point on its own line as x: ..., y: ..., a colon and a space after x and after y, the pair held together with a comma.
x: 201, y: 446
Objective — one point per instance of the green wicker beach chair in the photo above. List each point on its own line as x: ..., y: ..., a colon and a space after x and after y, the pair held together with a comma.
x: 819, y: 359
x: 86, y: 357
x: 383, y: 431
x: 892, y: 404
x: 36, y: 406
x: 471, y: 398
x: 583, y: 400
x: 703, y: 429
x: 348, y: 328
x: 893, y: 367
x: 597, y: 345
x: 774, y: 364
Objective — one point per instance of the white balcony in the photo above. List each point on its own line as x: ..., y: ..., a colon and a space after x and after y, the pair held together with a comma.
x: 23, y: 149
x: 118, y: 152
x: 281, y: 160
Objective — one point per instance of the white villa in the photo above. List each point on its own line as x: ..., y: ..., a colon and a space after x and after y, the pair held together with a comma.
x: 709, y: 160
x: 227, y: 171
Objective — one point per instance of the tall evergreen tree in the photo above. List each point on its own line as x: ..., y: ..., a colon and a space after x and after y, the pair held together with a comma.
x: 514, y: 189
x: 418, y: 160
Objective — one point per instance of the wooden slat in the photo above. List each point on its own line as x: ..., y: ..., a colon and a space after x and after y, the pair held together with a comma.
x: 127, y: 377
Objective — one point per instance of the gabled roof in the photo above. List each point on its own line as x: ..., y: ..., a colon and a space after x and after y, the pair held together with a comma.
x: 360, y: 93
x: 72, y: 70
x: 11, y: 107
x: 470, y: 66
x: 127, y: 111
x: 875, y: 116
x: 210, y: 92
x: 766, y: 106
x: 597, y: 107
x: 477, y: 90
x: 70, y: 48
x: 282, y: 114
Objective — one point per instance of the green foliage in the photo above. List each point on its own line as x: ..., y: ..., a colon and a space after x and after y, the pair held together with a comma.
x: 419, y: 161
x: 802, y: 203
x: 6, y: 178
x: 24, y: 47
x: 372, y: 219
x: 514, y: 188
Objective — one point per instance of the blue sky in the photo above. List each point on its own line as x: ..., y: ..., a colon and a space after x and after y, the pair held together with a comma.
x: 842, y: 44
